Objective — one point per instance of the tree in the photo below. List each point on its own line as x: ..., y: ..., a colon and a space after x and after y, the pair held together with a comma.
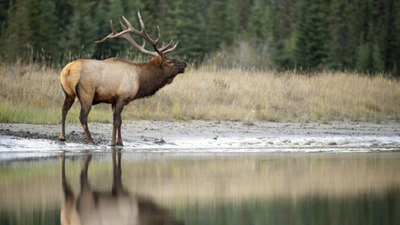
x: 222, y: 23
x: 369, y: 57
x: 82, y: 31
x: 16, y: 42
x: 43, y: 26
x: 259, y: 23
x: 343, y: 38
x: 283, y: 33
x: 393, y: 38
x: 189, y: 33
x: 4, y: 6
x: 362, y: 35
x: 312, y: 35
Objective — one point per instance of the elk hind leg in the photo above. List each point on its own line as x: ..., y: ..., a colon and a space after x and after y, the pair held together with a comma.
x: 68, y: 101
x: 85, y: 109
x: 86, y: 99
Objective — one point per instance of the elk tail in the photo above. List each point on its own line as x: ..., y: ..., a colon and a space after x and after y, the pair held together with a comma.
x: 69, y: 78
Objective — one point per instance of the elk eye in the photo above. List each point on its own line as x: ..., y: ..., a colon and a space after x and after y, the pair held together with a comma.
x: 170, y: 62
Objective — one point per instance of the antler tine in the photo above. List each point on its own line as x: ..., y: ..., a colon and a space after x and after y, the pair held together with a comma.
x: 143, y: 30
x: 123, y: 25
x: 114, y: 34
x: 170, y: 49
x: 159, y: 34
x: 128, y: 28
x: 164, y: 47
x: 112, y: 27
x: 124, y: 34
x: 143, y: 33
x: 108, y: 36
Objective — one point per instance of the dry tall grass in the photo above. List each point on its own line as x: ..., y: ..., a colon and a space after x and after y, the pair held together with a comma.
x: 33, y: 94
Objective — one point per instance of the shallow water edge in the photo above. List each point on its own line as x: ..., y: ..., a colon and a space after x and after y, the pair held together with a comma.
x: 220, y: 188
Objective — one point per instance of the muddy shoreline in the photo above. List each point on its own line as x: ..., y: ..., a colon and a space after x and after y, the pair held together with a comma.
x: 217, y: 134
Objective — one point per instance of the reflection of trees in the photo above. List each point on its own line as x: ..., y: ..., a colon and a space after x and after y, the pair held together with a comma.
x: 364, y: 209
x: 117, y: 206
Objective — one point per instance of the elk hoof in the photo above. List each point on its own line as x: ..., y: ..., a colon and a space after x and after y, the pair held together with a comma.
x: 61, y: 138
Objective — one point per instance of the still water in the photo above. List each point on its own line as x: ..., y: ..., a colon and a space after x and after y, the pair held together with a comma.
x: 117, y: 187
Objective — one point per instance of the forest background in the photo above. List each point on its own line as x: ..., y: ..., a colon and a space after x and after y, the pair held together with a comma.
x: 309, y: 35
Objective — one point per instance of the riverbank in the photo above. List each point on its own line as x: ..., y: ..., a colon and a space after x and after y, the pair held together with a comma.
x: 209, y: 136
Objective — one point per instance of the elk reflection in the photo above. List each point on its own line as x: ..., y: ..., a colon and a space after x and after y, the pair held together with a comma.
x: 117, y: 206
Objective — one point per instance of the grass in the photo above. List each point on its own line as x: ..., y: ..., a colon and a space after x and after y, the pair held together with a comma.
x: 32, y: 94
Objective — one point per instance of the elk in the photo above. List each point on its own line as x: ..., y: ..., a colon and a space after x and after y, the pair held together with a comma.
x: 118, y: 206
x: 117, y: 81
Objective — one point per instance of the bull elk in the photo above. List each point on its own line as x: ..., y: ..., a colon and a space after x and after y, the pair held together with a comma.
x: 118, y: 206
x: 117, y: 81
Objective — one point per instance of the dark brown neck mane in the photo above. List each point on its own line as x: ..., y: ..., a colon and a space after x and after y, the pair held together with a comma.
x: 151, y: 77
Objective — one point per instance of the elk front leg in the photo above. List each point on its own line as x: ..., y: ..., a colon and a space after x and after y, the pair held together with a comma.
x: 69, y: 100
x: 117, y: 123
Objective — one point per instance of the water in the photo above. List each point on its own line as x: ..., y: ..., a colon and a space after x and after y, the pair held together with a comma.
x: 126, y: 187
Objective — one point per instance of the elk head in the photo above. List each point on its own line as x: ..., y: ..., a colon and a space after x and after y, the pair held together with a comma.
x: 170, y: 67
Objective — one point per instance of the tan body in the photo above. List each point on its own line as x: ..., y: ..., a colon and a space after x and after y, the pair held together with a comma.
x: 113, y: 81
x: 118, y: 206
x: 101, y: 80
x: 117, y: 81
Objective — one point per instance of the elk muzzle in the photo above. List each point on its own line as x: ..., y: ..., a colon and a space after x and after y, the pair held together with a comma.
x: 181, y: 65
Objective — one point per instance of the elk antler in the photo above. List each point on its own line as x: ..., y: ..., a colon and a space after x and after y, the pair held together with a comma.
x: 128, y: 28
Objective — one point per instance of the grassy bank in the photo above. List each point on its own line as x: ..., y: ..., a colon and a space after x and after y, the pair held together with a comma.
x: 32, y: 94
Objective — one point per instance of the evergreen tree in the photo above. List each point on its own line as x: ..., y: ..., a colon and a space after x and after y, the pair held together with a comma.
x: 16, y: 42
x: 283, y: 33
x: 393, y: 38
x: 312, y: 35
x: 43, y: 26
x: 259, y: 23
x: 244, y: 13
x: 369, y: 57
x: 344, y: 39
x: 82, y: 31
x: 189, y: 33
x: 222, y: 23
x: 4, y: 6
x: 363, y: 35
x: 389, y: 40
x: 63, y: 13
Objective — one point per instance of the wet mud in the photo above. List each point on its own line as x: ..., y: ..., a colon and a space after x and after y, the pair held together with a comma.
x: 226, y: 135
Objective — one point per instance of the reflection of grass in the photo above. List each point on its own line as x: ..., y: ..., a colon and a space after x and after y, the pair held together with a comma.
x: 200, y: 181
x: 32, y: 94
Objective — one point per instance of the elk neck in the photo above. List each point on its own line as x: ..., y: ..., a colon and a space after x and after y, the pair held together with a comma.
x: 151, y: 77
